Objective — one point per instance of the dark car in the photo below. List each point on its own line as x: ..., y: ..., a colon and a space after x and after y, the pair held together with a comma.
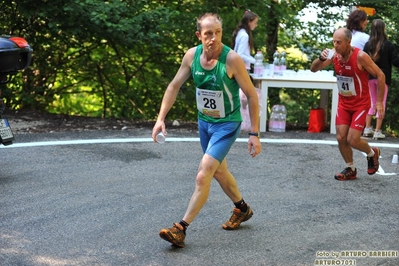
x: 15, y: 55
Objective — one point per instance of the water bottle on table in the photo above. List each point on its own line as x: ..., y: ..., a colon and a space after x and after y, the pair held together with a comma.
x: 276, y: 63
x: 283, y: 63
x: 278, y: 118
x: 258, y: 66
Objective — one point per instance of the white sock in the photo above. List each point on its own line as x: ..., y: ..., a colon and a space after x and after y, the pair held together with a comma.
x: 351, y: 165
x: 371, y: 154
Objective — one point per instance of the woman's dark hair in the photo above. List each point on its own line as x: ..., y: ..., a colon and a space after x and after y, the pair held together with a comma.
x: 355, y: 18
x: 246, y: 18
x: 377, y: 39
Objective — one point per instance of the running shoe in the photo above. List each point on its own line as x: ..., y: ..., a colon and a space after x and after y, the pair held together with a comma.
x: 237, y: 218
x: 174, y: 235
x: 346, y: 174
x: 378, y: 135
x: 368, y: 132
x: 372, y: 162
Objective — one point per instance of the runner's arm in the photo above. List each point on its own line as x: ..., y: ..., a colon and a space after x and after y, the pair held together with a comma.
x: 236, y: 69
x: 172, y: 90
x: 321, y: 62
x: 365, y: 62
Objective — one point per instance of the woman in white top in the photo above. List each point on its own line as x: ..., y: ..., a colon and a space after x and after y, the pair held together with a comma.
x: 242, y: 40
x: 357, y: 23
x: 243, y: 44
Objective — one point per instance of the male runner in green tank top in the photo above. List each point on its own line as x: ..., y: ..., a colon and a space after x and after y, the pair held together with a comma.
x: 218, y: 73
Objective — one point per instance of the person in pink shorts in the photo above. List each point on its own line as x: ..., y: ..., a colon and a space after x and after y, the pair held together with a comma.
x: 384, y: 54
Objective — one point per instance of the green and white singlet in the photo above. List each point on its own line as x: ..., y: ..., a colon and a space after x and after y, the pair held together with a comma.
x: 217, y: 95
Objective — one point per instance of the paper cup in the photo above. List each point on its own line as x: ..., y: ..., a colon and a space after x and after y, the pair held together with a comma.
x: 331, y: 53
x: 160, y: 138
x: 395, y: 159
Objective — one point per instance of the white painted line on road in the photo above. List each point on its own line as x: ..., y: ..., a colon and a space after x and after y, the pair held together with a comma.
x: 76, y: 142
x: 382, y: 172
x: 263, y: 140
x: 126, y: 140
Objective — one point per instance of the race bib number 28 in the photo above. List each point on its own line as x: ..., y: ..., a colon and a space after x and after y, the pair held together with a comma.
x: 210, y: 103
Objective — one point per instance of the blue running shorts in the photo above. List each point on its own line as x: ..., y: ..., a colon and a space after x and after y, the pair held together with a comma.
x: 217, y: 138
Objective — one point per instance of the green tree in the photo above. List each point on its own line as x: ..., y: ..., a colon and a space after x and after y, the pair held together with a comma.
x: 115, y: 58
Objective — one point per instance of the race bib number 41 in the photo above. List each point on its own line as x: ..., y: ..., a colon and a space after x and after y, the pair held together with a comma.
x: 210, y: 103
x: 346, y: 86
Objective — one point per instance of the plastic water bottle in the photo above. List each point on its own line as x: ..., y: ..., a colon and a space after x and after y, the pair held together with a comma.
x: 283, y: 118
x: 276, y: 63
x: 258, y: 66
x: 278, y: 118
x: 274, y: 119
x: 283, y: 63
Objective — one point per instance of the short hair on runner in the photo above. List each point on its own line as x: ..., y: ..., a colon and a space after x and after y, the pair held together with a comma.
x: 215, y: 16
x: 348, y: 34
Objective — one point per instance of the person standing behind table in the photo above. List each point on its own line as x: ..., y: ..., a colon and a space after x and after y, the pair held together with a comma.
x: 242, y: 40
x: 218, y: 73
x: 357, y: 23
x: 384, y: 54
x: 352, y: 67
x: 243, y: 44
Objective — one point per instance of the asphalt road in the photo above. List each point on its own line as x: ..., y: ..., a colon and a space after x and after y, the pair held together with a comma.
x: 104, y: 203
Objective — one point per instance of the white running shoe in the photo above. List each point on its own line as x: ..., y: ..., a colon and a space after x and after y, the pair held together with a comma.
x: 368, y: 132
x: 378, y: 135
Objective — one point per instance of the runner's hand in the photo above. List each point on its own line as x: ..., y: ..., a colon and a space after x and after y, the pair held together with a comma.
x: 158, y: 127
x: 254, y: 146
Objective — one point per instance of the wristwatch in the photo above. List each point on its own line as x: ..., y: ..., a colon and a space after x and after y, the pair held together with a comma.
x: 322, y: 59
x: 256, y: 134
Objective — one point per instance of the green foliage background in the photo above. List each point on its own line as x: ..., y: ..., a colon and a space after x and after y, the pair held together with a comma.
x: 115, y: 58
